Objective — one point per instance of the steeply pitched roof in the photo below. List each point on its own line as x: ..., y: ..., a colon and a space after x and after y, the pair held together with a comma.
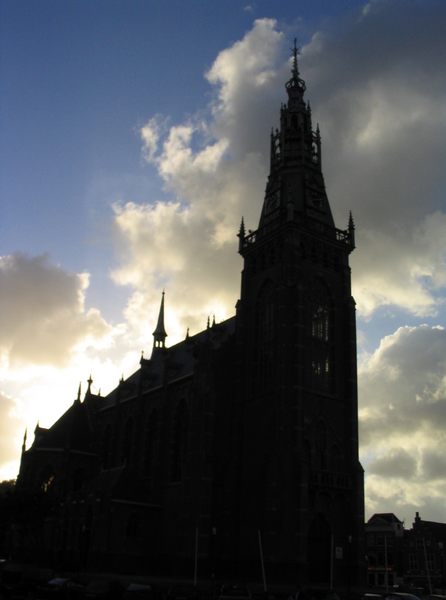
x: 72, y: 431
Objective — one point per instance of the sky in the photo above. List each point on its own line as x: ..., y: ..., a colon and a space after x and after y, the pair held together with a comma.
x: 134, y: 136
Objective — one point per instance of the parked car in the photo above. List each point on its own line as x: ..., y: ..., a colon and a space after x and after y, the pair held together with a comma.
x: 59, y: 588
x: 401, y: 596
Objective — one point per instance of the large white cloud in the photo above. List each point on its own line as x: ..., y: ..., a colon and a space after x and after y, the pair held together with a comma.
x: 42, y: 313
x: 380, y: 102
x: 403, y: 421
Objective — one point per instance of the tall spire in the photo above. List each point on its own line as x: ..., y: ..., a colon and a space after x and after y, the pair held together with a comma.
x: 159, y: 335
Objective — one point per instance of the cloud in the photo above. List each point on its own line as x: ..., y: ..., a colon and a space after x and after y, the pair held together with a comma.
x: 8, y: 424
x: 383, y: 142
x: 397, y: 463
x: 403, y: 419
x: 215, y: 173
x: 42, y: 314
x: 377, y: 90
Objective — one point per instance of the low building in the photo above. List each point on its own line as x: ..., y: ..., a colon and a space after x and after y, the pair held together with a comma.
x: 384, y: 536
x: 424, y: 555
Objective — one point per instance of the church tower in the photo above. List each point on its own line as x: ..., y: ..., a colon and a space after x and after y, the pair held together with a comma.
x: 301, y: 482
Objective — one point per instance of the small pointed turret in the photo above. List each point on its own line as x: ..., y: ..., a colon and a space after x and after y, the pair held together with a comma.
x: 241, y: 235
x: 351, y: 230
x: 187, y: 333
x: 78, y: 399
x: 159, y: 335
x: 24, y: 441
x: 89, y: 381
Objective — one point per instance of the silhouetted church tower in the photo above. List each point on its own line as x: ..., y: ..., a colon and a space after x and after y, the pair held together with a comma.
x: 301, y: 480
x: 239, y: 442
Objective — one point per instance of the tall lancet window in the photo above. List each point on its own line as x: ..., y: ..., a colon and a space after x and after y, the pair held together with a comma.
x: 321, y: 338
x: 265, y: 327
x: 179, y: 440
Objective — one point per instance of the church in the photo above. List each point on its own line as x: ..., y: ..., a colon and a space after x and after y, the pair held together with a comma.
x: 235, y: 451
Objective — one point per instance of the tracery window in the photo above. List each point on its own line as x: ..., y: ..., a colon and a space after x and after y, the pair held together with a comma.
x: 47, y: 478
x: 321, y: 340
x: 320, y: 323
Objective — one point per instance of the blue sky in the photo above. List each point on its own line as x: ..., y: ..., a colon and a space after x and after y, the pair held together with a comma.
x: 78, y: 80
x: 134, y: 135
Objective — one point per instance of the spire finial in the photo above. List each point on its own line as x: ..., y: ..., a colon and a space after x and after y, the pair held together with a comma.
x: 213, y: 320
x: 187, y: 333
x: 295, y: 84
x: 24, y: 440
x: 159, y: 335
x: 295, y: 50
x: 89, y: 381
x: 208, y: 324
x: 79, y: 393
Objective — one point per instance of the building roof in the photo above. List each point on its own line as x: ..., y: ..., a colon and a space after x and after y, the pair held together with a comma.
x: 169, y: 365
x: 383, y: 519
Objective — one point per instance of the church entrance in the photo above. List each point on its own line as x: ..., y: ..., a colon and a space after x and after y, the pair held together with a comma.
x: 319, y: 551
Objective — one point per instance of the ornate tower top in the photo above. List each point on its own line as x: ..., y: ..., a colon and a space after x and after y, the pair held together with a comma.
x: 295, y: 195
x: 159, y: 335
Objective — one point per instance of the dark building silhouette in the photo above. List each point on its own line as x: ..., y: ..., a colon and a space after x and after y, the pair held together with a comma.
x: 384, y: 540
x: 240, y: 439
x: 424, y: 555
x: 413, y: 558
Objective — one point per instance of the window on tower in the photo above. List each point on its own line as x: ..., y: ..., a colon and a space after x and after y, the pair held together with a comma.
x: 320, y: 333
x: 320, y: 323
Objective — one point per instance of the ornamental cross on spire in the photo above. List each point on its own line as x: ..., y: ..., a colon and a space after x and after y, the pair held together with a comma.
x: 295, y: 50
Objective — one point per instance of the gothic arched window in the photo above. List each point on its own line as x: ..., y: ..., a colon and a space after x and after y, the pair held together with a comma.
x: 179, y: 440
x: 320, y: 323
x: 321, y: 340
x: 47, y: 478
